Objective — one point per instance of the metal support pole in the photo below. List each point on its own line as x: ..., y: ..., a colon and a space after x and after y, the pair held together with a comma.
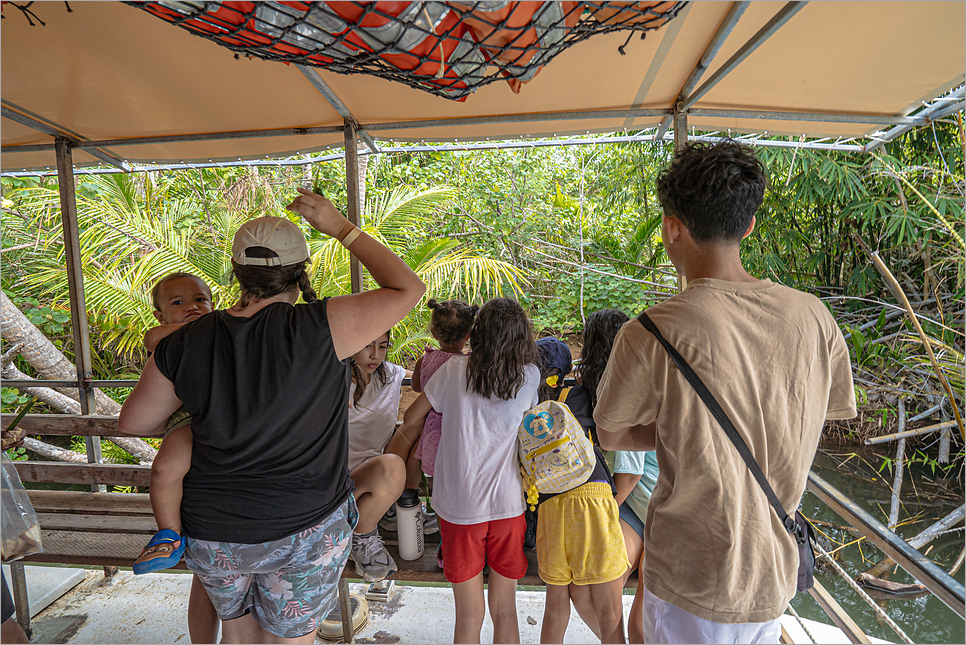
x: 680, y: 140
x: 345, y: 610
x: 75, y: 285
x: 784, y: 15
x: 20, y: 601
x: 352, y: 194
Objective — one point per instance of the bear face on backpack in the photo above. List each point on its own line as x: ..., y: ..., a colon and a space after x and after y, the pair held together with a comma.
x: 555, y: 453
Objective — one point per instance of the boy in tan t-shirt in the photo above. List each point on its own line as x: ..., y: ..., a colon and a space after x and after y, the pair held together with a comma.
x: 719, y: 566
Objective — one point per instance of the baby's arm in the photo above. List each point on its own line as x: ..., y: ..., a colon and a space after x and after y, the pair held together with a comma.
x: 154, y: 335
x: 415, y: 381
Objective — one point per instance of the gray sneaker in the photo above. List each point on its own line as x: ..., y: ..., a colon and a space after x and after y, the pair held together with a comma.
x: 430, y: 525
x: 388, y: 521
x: 373, y: 562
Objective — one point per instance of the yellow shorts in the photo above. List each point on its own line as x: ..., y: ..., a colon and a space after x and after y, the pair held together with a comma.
x: 579, y: 537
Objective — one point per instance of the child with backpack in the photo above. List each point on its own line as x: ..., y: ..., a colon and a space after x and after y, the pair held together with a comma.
x: 477, y: 493
x: 580, y: 547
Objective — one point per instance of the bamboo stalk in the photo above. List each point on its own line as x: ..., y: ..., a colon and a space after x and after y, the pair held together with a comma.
x: 897, y: 479
x: 901, y: 296
x: 910, y: 433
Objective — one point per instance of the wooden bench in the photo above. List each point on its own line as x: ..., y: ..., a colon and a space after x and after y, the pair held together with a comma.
x: 110, y: 529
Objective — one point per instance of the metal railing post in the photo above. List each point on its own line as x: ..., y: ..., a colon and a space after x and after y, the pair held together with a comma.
x: 20, y: 600
x: 75, y: 284
x: 354, y: 208
x: 680, y: 140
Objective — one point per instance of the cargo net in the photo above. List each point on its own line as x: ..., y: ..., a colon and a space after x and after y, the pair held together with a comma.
x: 450, y: 49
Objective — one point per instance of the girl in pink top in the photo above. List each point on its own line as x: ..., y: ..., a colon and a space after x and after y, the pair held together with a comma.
x: 450, y: 325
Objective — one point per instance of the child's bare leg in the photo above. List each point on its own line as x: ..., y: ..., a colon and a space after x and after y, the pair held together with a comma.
x: 556, y: 614
x: 584, y: 604
x: 609, y: 609
x: 167, y: 472
x: 502, y: 597
x: 470, y: 609
x: 635, y: 621
x: 635, y: 555
x: 379, y: 483
x: 203, y: 621
x: 414, y: 468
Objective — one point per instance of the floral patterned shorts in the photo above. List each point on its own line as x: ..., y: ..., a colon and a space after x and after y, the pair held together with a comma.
x: 288, y: 585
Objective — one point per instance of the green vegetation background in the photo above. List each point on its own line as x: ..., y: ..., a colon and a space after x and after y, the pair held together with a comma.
x: 566, y: 230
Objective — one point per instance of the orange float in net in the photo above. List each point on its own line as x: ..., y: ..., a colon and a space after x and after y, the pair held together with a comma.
x: 446, y: 48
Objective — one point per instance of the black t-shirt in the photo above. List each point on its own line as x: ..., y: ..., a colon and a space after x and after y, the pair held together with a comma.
x: 268, y: 399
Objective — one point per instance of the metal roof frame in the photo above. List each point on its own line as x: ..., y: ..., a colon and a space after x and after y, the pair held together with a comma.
x: 649, y: 135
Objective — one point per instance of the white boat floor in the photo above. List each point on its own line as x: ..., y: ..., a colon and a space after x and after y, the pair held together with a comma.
x: 153, y: 609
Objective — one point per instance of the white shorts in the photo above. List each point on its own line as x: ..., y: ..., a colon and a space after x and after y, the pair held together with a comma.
x: 665, y: 623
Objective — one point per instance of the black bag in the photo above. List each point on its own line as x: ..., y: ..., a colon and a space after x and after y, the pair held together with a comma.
x: 798, y: 527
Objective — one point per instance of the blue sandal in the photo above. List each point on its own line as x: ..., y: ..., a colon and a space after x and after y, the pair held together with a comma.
x: 160, y: 553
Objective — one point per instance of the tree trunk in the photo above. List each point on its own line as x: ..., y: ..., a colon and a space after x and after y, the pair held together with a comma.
x: 53, y: 452
x: 44, y: 357
x: 46, y: 395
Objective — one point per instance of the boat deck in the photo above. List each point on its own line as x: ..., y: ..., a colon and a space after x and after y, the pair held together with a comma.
x: 153, y: 609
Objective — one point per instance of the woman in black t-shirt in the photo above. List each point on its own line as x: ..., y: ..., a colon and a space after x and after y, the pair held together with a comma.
x: 267, y: 509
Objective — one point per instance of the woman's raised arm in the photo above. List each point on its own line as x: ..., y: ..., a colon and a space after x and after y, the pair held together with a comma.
x: 356, y: 319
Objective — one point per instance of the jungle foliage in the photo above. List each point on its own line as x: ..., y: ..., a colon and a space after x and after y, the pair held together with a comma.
x: 567, y: 230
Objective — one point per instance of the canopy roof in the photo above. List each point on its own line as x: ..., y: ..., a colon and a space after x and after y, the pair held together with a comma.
x: 145, y: 90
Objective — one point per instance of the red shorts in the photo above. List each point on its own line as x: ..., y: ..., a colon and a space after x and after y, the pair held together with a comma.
x: 468, y: 547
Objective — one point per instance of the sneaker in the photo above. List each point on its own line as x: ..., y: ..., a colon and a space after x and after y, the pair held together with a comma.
x: 430, y: 525
x: 388, y: 521
x: 373, y: 562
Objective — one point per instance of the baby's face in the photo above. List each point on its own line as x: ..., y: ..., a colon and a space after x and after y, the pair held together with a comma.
x: 183, y: 300
x: 372, y: 355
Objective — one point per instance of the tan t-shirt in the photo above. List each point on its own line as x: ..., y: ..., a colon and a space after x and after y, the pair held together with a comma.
x: 775, y: 360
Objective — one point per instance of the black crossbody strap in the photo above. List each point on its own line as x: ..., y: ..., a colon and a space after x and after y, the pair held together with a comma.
x: 789, y: 522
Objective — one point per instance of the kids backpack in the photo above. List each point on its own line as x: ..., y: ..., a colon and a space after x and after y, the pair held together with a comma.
x: 555, y: 453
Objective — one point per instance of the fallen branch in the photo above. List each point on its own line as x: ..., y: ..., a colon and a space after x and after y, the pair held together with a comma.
x: 922, y: 539
x: 53, y: 452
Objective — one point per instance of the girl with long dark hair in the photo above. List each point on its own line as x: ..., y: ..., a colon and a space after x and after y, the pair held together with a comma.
x: 477, y: 490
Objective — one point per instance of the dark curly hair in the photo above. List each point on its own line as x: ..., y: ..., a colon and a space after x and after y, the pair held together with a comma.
x: 502, y: 344
x: 714, y: 190
x: 264, y: 282
x: 451, y: 320
x: 599, y: 332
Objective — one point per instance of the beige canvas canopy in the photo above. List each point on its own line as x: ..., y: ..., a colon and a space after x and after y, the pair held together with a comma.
x: 144, y: 90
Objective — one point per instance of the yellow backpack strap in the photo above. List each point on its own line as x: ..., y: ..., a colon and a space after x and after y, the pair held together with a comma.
x: 563, y: 394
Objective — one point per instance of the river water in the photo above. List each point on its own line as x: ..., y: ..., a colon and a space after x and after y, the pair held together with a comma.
x: 926, y: 499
